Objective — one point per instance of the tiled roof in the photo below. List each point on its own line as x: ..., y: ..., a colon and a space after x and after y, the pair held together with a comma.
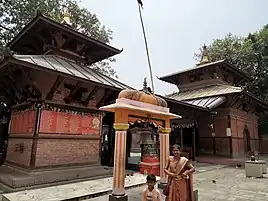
x: 71, y: 68
x: 207, y: 102
x: 192, y: 68
x: 210, y: 91
x: 95, y: 49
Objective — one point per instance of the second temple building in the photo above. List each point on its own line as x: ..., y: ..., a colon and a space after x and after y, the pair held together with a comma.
x: 231, y: 127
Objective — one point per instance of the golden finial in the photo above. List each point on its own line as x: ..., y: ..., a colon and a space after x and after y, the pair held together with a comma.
x: 67, y: 17
x: 205, y: 57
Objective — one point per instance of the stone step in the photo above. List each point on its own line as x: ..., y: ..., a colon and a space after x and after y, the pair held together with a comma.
x: 75, y: 191
x: 6, y: 189
x: 14, y: 180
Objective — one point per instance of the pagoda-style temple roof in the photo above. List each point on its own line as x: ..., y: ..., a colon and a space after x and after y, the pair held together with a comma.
x: 43, y: 34
x: 48, y: 58
x: 213, y: 96
x: 207, y: 97
x: 68, y: 68
x: 170, y: 78
x: 210, y: 91
x: 65, y: 67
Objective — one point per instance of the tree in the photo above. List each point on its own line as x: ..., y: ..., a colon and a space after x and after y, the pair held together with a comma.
x: 14, y: 15
x: 250, y: 54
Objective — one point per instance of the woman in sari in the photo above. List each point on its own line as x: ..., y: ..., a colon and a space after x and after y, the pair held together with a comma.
x: 179, y: 171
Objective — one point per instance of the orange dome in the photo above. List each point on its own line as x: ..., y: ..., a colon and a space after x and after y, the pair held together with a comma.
x: 143, y: 96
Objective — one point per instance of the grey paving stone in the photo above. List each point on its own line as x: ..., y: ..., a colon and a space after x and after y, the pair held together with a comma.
x: 231, y: 185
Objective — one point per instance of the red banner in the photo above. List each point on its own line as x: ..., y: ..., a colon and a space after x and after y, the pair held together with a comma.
x: 23, y: 122
x: 69, y: 123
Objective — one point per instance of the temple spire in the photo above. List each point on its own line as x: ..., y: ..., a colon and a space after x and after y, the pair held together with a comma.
x: 204, y: 57
x: 146, y: 89
x: 144, y: 83
x: 67, y: 18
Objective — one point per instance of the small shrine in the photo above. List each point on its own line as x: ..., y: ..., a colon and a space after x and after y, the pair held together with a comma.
x: 130, y: 106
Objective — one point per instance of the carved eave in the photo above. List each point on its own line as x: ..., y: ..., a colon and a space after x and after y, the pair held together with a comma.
x: 248, y: 102
x: 261, y: 105
x: 77, y: 108
x: 45, y: 36
x: 15, y: 86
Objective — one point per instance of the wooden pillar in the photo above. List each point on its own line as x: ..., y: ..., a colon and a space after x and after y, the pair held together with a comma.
x: 229, y: 136
x: 194, y: 145
x: 164, y: 152
x: 213, y: 134
x: 181, y: 134
x: 119, y: 159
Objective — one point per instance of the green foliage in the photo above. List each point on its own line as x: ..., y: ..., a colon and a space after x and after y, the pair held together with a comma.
x: 14, y: 15
x: 249, y: 54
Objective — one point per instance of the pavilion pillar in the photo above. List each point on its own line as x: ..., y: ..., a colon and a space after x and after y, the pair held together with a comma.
x: 118, y: 192
x: 164, y: 152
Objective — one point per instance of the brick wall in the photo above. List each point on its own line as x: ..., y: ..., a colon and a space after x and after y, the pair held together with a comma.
x: 239, y: 121
x: 62, y: 138
x: 19, y: 151
x: 20, y: 134
x: 67, y: 138
x: 223, y: 145
x: 51, y: 152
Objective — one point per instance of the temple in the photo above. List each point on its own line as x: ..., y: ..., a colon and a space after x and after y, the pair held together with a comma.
x: 54, y: 96
x: 230, y: 127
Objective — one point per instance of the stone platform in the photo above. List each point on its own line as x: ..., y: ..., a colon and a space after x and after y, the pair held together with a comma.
x: 16, y: 179
x: 75, y: 191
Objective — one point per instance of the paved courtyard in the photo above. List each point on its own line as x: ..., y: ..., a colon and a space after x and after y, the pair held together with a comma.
x: 230, y: 184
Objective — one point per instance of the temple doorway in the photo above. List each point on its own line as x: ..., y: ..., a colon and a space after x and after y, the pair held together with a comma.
x: 107, y: 140
x: 247, y: 146
x: 185, y: 136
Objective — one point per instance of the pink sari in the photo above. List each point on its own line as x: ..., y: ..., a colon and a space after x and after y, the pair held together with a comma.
x: 180, y: 189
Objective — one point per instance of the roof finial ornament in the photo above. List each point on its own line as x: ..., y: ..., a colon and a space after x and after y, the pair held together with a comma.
x: 67, y: 17
x: 145, y: 83
x: 146, y: 89
x: 204, y: 57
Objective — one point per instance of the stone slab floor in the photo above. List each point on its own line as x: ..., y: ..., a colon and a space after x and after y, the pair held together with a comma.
x: 230, y: 185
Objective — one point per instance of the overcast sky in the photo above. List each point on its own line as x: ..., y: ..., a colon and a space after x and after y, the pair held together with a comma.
x: 176, y: 29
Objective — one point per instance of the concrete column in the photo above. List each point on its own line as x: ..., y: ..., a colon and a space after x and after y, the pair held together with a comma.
x: 164, y: 152
x: 119, y: 162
